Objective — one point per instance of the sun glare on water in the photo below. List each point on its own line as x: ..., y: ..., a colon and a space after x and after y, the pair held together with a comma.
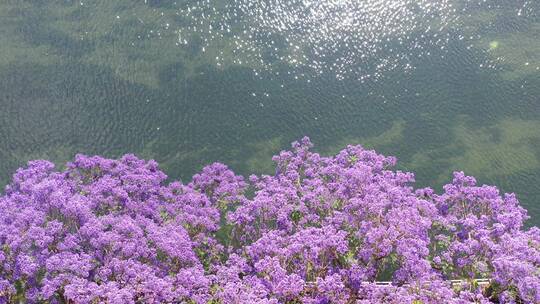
x: 344, y: 38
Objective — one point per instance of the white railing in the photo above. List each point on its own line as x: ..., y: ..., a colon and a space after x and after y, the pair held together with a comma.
x: 455, y: 283
x: 480, y: 282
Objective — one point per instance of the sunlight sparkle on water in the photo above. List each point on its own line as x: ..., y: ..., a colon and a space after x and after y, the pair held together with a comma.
x: 342, y: 38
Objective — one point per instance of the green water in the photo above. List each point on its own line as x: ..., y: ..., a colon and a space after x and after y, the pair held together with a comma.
x: 165, y: 80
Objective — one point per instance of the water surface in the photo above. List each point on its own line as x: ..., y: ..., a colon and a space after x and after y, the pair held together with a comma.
x: 442, y: 84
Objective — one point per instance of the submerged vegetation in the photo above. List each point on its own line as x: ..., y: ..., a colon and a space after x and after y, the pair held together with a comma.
x: 318, y: 230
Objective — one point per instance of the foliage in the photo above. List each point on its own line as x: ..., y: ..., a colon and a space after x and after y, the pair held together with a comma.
x: 320, y: 230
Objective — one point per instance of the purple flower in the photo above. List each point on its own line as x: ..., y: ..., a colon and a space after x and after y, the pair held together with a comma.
x: 320, y: 230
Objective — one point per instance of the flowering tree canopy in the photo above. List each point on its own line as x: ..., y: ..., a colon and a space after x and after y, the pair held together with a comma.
x: 320, y: 230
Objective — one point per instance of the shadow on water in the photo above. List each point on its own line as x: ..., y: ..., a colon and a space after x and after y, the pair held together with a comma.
x: 54, y: 113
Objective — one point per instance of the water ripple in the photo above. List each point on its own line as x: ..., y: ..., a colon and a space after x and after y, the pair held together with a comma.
x: 345, y: 38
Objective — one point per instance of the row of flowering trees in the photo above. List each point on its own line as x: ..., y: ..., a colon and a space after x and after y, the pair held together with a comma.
x: 320, y: 230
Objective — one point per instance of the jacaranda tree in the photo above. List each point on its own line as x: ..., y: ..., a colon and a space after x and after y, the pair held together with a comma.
x: 320, y: 230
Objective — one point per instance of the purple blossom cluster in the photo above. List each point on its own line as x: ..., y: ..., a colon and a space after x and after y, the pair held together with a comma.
x: 320, y: 230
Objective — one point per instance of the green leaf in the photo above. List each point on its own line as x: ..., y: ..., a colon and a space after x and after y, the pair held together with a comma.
x: 296, y: 216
